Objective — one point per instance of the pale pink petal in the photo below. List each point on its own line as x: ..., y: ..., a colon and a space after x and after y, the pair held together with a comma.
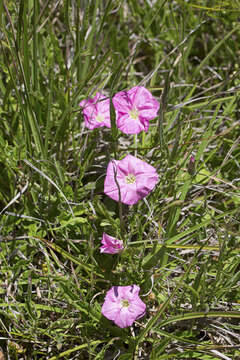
x: 111, y: 296
x: 134, y: 94
x: 130, y: 195
x: 103, y: 108
x: 138, y: 308
x: 125, y: 292
x: 147, y: 181
x: 83, y: 103
x: 141, y: 96
x: 122, y: 102
x: 148, y: 113
x: 124, y: 318
x: 111, y: 309
x: 129, y: 125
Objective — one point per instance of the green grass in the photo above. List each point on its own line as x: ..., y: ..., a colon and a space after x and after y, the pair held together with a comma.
x: 182, y: 242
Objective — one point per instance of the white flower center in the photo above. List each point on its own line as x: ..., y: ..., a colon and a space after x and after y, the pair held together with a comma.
x: 134, y: 113
x: 100, y: 118
x: 125, y: 303
x: 130, y: 179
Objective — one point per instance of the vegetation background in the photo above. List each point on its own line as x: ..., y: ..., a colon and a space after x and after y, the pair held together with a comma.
x: 182, y: 241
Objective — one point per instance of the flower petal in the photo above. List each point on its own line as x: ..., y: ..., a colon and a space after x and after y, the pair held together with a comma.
x: 124, y: 318
x: 128, y: 125
x: 122, y: 103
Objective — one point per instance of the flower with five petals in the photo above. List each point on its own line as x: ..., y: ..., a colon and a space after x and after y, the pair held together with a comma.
x: 123, y: 305
x: 96, y: 111
x: 130, y: 177
x: 110, y: 245
x: 134, y: 108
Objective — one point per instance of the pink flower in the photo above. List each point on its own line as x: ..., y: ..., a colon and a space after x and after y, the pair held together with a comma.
x: 134, y: 108
x: 123, y: 305
x: 96, y: 111
x: 110, y: 245
x: 131, y: 176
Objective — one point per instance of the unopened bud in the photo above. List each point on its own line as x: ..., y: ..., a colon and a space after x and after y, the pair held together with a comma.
x: 191, y: 165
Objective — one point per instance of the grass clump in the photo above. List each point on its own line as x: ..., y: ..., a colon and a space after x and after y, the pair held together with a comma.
x: 181, y: 242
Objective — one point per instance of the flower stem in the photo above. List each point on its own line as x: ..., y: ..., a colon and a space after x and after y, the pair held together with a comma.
x: 135, y: 139
x: 119, y: 202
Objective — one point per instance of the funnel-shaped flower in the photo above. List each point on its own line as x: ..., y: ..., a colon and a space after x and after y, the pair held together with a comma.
x: 131, y: 177
x: 96, y: 111
x: 110, y: 245
x: 134, y: 108
x: 123, y: 305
